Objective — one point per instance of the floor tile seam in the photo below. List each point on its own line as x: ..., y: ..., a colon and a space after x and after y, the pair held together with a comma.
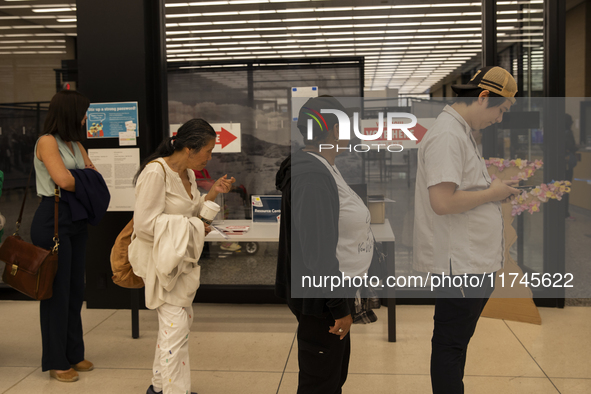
x: 507, y: 376
x: 20, y: 366
x: 566, y: 377
x: 192, y: 370
x: 21, y: 380
x: 532, y: 357
x: 104, y: 320
x: 286, y: 361
x: 426, y: 374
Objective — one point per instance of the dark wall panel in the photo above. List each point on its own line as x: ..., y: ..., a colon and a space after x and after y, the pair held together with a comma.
x: 120, y: 58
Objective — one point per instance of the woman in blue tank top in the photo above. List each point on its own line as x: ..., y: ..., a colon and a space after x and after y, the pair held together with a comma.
x: 57, y: 151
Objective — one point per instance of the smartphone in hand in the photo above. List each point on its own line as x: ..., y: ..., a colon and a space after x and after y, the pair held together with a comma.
x: 524, y: 188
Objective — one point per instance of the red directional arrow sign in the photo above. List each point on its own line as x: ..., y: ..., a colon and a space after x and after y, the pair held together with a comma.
x: 419, y: 132
x: 224, y: 137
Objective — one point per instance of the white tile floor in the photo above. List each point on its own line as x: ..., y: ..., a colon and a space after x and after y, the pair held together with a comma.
x: 249, y: 349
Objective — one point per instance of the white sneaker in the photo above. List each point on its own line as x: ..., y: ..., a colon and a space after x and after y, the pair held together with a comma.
x: 232, y: 247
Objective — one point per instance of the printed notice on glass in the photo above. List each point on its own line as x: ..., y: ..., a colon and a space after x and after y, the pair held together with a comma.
x: 118, y: 167
x: 299, y: 96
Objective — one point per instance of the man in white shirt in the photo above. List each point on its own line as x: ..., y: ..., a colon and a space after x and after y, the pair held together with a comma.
x: 458, y: 222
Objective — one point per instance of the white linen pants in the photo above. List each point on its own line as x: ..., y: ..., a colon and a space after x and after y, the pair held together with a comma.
x: 171, y: 368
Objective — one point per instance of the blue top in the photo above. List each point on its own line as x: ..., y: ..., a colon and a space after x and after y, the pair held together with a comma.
x: 72, y: 161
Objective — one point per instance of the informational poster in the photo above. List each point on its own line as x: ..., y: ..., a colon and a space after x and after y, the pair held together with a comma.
x: 228, y: 138
x: 113, y: 120
x: 118, y: 167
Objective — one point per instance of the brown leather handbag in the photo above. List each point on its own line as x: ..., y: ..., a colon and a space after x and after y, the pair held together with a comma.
x: 123, y: 274
x: 29, y: 268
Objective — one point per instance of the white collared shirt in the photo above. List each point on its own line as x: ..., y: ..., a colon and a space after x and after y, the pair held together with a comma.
x: 469, y: 242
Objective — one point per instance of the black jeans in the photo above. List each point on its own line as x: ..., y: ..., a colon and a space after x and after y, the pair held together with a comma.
x: 456, y: 314
x: 61, y: 324
x: 323, y: 357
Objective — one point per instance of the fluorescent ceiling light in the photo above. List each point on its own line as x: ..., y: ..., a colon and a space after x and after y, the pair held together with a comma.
x: 193, y: 24
x: 29, y: 27
x: 10, y: 7
x: 330, y: 9
x: 247, y: 1
x: 44, y: 41
x: 435, y: 56
x: 219, y: 13
x: 61, y: 26
x: 203, y: 31
x: 231, y: 30
x: 53, y: 9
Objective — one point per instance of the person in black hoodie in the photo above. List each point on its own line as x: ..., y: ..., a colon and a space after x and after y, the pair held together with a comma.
x: 308, y: 243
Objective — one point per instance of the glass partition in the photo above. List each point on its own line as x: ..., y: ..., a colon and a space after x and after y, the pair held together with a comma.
x: 19, y: 129
x: 258, y: 98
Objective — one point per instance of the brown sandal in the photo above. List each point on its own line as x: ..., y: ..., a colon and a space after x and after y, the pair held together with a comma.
x: 69, y: 376
x: 83, y: 366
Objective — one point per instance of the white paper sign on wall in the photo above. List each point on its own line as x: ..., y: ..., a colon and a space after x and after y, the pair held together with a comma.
x: 299, y: 96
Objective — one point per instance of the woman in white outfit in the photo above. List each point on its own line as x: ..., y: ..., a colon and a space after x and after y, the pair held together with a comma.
x: 167, y: 243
